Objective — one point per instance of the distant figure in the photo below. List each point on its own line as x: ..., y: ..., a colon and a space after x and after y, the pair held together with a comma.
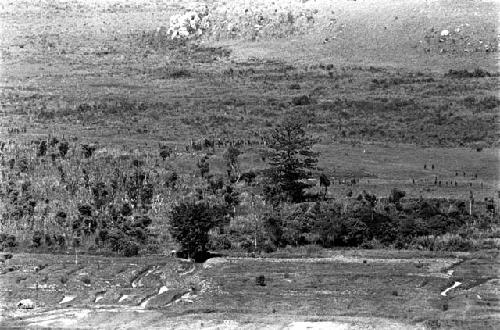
x: 432, y: 166
x: 413, y: 181
x: 425, y: 166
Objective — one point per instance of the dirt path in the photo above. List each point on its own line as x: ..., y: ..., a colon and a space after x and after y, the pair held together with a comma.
x: 438, y: 267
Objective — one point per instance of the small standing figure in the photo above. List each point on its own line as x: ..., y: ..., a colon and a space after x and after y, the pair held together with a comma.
x: 471, y: 202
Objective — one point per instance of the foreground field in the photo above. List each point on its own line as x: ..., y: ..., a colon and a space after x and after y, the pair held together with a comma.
x: 346, y: 289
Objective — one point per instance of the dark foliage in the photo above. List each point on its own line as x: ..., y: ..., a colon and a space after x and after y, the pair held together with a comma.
x: 7, y: 242
x: 63, y: 148
x: 291, y: 161
x: 37, y: 239
x: 248, y: 177
x: 204, y: 166
x: 477, y: 73
x: 260, y: 280
x: 165, y: 152
x: 231, y: 159
x: 301, y: 100
x: 42, y: 149
x: 88, y: 150
x: 191, y: 222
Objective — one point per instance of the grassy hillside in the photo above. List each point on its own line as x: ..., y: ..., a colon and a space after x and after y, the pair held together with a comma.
x: 103, y: 119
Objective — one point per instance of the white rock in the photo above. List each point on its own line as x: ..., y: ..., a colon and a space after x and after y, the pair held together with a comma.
x: 456, y: 284
x: 26, y: 304
x: 445, y: 33
x: 183, y: 32
x: 67, y: 299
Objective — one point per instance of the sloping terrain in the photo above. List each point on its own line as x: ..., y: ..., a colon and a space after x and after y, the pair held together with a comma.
x: 399, y: 289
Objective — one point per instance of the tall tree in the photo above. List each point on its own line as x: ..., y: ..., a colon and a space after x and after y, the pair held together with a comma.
x: 291, y: 161
x: 231, y: 159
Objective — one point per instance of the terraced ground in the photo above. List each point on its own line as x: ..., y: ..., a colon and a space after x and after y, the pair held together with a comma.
x: 355, y: 289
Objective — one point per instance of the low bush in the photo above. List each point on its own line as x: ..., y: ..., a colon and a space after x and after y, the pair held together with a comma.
x: 7, y: 242
x: 260, y: 280
x: 446, y: 242
x: 301, y: 100
x: 454, y: 242
x: 37, y: 239
x: 130, y: 248
x: 63, y: 279
x: 86, y: 280
x: 219, y: 242
x: 477, y: 73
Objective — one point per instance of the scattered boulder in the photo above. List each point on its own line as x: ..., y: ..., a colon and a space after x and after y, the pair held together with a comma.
x: 165, y: 298
x: 26, y: 304
x: 67, y: 299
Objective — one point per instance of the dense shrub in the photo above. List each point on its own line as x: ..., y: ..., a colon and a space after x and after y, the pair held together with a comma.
x: 447, y: 242
x: 351, y: 231
x: 165, y: 152
x: 130, y: 248
x: 7, y: 241
x: 63, y: 148
x: 42, y: 149
x: 219, y: 242
x: 301, y: 100
x: 477, y: 73
x: 260, y: 280
x: 37, y: 239
x: 191, y: 222
x: 88, y: 150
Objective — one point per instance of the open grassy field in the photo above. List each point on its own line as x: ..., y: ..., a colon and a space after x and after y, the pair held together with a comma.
x: 393, y: 101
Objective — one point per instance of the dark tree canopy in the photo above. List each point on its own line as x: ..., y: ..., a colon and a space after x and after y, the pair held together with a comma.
x: 191, y: 222
x: 291, y: 161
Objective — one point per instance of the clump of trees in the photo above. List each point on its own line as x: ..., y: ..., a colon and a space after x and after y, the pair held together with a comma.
x: 191, y: 222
